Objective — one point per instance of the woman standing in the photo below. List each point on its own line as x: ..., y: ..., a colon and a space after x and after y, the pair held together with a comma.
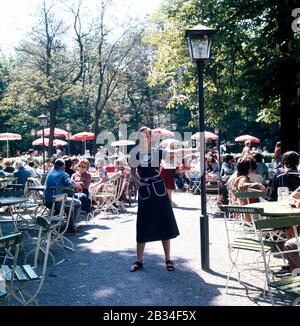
x: 155, y: 217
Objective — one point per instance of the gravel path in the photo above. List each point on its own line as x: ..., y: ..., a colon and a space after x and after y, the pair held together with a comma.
x: 97, y: 273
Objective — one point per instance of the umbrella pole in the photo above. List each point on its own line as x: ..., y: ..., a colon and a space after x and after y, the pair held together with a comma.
x: 7, y: 148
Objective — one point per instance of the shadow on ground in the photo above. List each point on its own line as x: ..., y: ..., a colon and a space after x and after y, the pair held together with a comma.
x: 95, y: 277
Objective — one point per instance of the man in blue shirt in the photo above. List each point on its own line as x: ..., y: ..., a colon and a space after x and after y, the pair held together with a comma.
x: 58, y: 177
x: 23, y: 173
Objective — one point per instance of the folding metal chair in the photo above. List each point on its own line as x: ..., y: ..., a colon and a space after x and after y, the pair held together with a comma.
x: 240, y: 241
x: 24, y: 282
x: 289, y: 286
x: 106, y: 197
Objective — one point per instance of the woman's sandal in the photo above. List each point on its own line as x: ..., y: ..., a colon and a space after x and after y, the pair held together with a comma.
x: 137, y: 265
x: 170, y: 265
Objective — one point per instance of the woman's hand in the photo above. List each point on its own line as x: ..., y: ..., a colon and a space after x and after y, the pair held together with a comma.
x: 78, y: 187
x: 137, y: 181
x: 261, y: 186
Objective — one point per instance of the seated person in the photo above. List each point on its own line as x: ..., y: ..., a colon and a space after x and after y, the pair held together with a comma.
x: 101, y: 167
x: 261, y: 166
x: 2, y: 173
x: 242, y: 183
x: 227, y: 167
x: 83, y: 178
x: 291, y: 244
x: 8, y: 167
x: 68, y: 167
x: 22, y: 174
x: 58, y: 177
x: 288, y: 176
x: 212, y: 164
x: 253, y: 175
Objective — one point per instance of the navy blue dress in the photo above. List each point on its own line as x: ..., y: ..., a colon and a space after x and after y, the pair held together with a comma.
x: 155, y: 217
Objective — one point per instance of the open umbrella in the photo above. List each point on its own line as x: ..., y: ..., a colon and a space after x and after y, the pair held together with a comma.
x: 57, y: 132
x: 244, y: 138
x: 84, y: 136
x: 59, y: 142
x: 39, y: 142
x: 170, y: 143
x: 9, y: 136
x: 162, y: 132
x: 207, y: 136
x: 122, y: 142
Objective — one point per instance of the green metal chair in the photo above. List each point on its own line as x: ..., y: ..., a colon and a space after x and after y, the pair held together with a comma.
x: 289, y: 286
x: 240, y: 241
x: 24, y: 282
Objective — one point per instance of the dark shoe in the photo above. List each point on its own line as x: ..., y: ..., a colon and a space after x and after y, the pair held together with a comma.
x: 137, y: 265
x: 170, y: 265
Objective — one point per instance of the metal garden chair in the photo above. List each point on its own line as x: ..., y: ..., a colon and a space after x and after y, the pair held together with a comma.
x: 24, y: 282
x: 289, y: 286
x: 239, y: 241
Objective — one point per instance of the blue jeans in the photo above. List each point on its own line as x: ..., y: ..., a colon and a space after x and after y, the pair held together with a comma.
x: 77, y: 208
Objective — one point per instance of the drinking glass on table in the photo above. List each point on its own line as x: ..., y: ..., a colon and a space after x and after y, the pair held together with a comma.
x: 283, y: 195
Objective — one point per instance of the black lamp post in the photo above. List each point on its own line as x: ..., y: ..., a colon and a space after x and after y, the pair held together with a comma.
x: 199, y: 39
x: 68, y: 128
x: 43, y: 121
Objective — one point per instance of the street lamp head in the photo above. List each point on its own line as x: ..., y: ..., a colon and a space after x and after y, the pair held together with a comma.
x: 43, y: 120
x: 173, y: 126
x: 199, y: 40
x: 68, y: 126
x: 33, y: 132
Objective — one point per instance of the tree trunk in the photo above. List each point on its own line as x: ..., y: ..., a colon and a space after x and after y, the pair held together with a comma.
x: 53, y: 109
x: 288, y: 70
x: 96, y: 129
x: 289, y: 110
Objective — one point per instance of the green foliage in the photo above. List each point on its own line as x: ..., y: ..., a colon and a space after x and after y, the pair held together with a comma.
x: 241, y: 82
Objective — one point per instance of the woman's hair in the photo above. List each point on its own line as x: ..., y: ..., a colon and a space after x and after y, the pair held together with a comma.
x: 8, y: 162
x: 86, y: 162
x: 142, y: 129
x: 228, y: 158
x: 291, y: 159
x: 243, y: 166
x: 68, y: 163
x: 258, y: 157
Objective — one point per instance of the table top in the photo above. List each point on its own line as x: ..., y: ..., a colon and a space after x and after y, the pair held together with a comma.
x: 39, y: 188
x: 274, y: 208
x: 9, y: 201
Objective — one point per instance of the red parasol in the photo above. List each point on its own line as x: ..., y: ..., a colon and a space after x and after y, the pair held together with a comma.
x: 162, y: 132
x: 58, y: 143
x: 207, y: 136
x: 9, y: 136
x: 39, y: 142
x: 57, y: 132
x: 170, y: 143
x: 84, y: 136
x: 244, y: 138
